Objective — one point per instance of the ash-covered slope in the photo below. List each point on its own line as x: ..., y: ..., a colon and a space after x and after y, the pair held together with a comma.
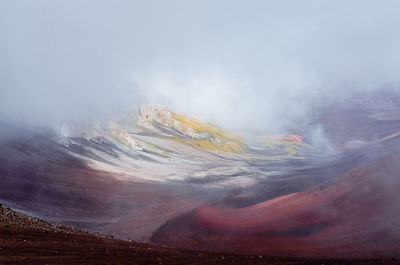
x: 28, y: 240
x: 130, y: 175
x: 352, y: 215
x: 126, y: 176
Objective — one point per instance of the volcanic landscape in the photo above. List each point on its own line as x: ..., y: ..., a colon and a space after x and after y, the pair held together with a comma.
x: 158, y: 176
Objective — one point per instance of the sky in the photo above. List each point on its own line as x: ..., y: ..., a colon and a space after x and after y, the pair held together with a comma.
x: 245, y: 65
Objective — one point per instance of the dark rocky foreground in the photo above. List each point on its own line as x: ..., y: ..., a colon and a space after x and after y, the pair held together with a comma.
x: 29, y: 240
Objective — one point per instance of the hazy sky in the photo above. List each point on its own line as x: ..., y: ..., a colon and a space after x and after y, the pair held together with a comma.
x: 241, y: 64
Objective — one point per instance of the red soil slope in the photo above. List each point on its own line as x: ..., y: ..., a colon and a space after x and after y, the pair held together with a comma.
x: 28, y: 240
x: 352, y: 215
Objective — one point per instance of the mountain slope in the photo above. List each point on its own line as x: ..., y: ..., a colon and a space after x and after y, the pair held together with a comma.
x: 189, y: 130
x: 352, y: 215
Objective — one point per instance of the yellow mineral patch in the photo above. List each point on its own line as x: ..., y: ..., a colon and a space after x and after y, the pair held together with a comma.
x: 197, y: 133
x: 217, y: 139
x: 216, y: 144
x: 291, y: 147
